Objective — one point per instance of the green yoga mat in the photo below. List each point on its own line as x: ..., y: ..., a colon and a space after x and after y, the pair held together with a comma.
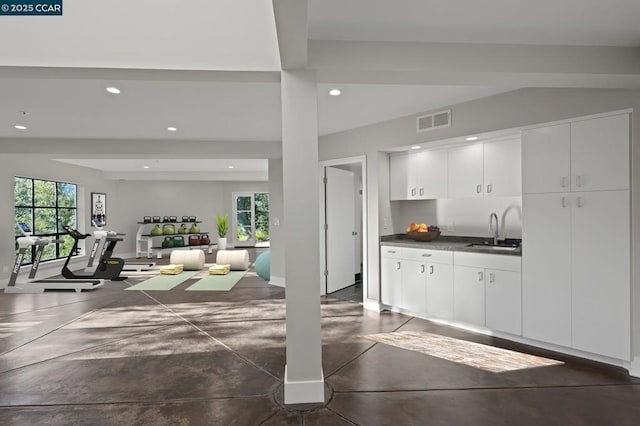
x: 164, y: 282
x: 218, y: 282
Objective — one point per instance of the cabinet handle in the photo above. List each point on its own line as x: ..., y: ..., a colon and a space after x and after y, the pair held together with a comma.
x: 398, y: 266
x: 478, y: 188
x: 480, y: 276
x: 422, y: 269
x: 578, y: 181
x: 564, y: 202
x: 492, y: 277
x: 563, y: 181
x: 489, y: 188
x: 431, y: 269
x: 421, y: 191
x: 391, y: 251
x: 579, y: 202
x: 413, y: 191
x: 426, y: 255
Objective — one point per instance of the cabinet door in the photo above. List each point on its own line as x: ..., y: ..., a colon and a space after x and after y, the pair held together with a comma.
x: 398, y: 176
x: 503, y: 301
x: 502, y: 168
x: 413, y: 167
x: 440, y: 290
x: 546, y: 159
x: 601, y: 277
x: 391, y: 281
x: 468, y: 295
x: 414, y: 282
x: 600, y: 154
x: 546, y: 268
x: 466, y: 171
x: 431, y: 174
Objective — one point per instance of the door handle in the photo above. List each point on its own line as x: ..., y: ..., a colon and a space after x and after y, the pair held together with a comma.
x: 564, y: 202
x: 413, y: 192
x: 431, y: 269
x: 489, y: 188
x: 422, y: 269
x: 478, y: 189
x: 421, y: 191
x: 397, y: 266
x: 563, y: 181
x: 391, y: 251
x: 480, y: 276
x: 579, y: 202
x: 426, y: 255
x: 492, y: 277
x: 578, y: 180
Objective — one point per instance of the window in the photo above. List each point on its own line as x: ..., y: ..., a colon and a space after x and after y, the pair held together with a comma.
x: 46, y: 206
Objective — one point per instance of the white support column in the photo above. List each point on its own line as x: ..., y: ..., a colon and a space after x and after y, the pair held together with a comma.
x: 303, y: 380
x: 276, y: 221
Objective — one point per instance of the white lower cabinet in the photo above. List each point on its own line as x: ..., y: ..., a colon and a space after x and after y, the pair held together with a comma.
x: 488, y: 291
x: 391, y: 278
x: 414, y: 286
x: 468, y: 295
x: 440, y: 290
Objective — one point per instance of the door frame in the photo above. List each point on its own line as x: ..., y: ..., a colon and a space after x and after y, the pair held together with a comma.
x: 234, y: 219
x: 362, y: 161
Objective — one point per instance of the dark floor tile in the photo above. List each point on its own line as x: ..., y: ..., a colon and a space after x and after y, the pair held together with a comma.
x: 325, y: 417
x: 236, y: 411
x: 283, y: 418
x: 218, y: 374
x: 597, y: 406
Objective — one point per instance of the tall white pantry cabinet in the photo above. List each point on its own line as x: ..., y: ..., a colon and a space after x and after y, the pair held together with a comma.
x: 576, y: 235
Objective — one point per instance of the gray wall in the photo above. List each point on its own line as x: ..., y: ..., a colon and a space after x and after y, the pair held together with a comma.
x: 88, y: 180
x: 205, y: 200
x: 508, y: 110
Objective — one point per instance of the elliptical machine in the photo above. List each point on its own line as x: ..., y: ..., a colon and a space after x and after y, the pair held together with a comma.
x: 107, y: 268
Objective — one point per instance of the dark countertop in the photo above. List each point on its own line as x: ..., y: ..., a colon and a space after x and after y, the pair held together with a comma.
x: 448, y: 243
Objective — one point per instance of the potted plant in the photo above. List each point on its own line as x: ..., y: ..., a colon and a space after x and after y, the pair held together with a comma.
x: 223, y: 228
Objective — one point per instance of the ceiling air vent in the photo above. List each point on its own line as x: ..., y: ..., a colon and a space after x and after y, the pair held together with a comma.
x: 433, y: 121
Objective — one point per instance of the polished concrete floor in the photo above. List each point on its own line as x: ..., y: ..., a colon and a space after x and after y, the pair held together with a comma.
x: 114, y: 357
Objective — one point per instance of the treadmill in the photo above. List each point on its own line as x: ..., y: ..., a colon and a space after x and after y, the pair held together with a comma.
x: 103, y: 246
x: 33, y: 285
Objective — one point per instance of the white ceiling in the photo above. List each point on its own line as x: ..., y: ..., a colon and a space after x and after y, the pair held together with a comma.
x: 550, y: 22
x: 233, y: 35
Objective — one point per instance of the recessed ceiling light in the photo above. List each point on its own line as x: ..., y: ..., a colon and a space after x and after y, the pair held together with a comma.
x: 19, y: 127
x: 145, y: 167
x: 416, y: 147
x: 113, y: 90
x: 334, y: 92
x: 230, y: 167
x: 472, y: 138
x: 172, y: 129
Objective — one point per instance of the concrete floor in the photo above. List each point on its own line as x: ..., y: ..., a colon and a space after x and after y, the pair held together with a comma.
x: 114, y: 357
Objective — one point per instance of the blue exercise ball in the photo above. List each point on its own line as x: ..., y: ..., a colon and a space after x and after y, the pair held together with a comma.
x: 263, y: 265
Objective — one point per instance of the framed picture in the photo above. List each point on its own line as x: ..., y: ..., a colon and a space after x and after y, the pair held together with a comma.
x: 98, y: 208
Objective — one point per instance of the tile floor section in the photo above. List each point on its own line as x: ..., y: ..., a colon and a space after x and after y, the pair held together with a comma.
x: 111, y: 357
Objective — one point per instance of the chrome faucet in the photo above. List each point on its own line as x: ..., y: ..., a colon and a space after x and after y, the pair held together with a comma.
x: 504, y: 217
x: 497, y: 228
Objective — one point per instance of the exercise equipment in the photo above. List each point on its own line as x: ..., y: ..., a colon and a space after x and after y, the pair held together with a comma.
x: 185, y: 219
x: 178, y: 241
x: 168, y: 229
x: 105, y: 243
x: 195, y: 229
x: 193, y: 260
x: 183, y: 229
x: 238, y: 259
x: 156, y: 231
x: 32, y: 285
x: 195, y: 240
x: 107, y: 267
x: 157, y: 219
x: 205, y: 240
x: 262, y: 265
x: 167, y: 242
x: 146, y: 219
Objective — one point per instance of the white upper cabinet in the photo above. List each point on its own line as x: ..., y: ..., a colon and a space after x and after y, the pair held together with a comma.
x: 546, y: 159
x: 431, y: 174
x: 466, y: 171
x: 502, y: 168
x: 600, y: 154
x: 399, y: 177
x: 587, y: 155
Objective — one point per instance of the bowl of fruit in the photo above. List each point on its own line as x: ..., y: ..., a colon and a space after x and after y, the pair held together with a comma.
x: 422, y: 232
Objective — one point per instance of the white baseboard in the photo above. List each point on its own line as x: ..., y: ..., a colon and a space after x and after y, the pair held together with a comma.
x: 302, y: 392
x: 277, y: 281
x: 634, y: 367
x: 372, y: 305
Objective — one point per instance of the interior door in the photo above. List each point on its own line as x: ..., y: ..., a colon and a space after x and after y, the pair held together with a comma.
x: 243, y: 230
x: 340, y: 228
